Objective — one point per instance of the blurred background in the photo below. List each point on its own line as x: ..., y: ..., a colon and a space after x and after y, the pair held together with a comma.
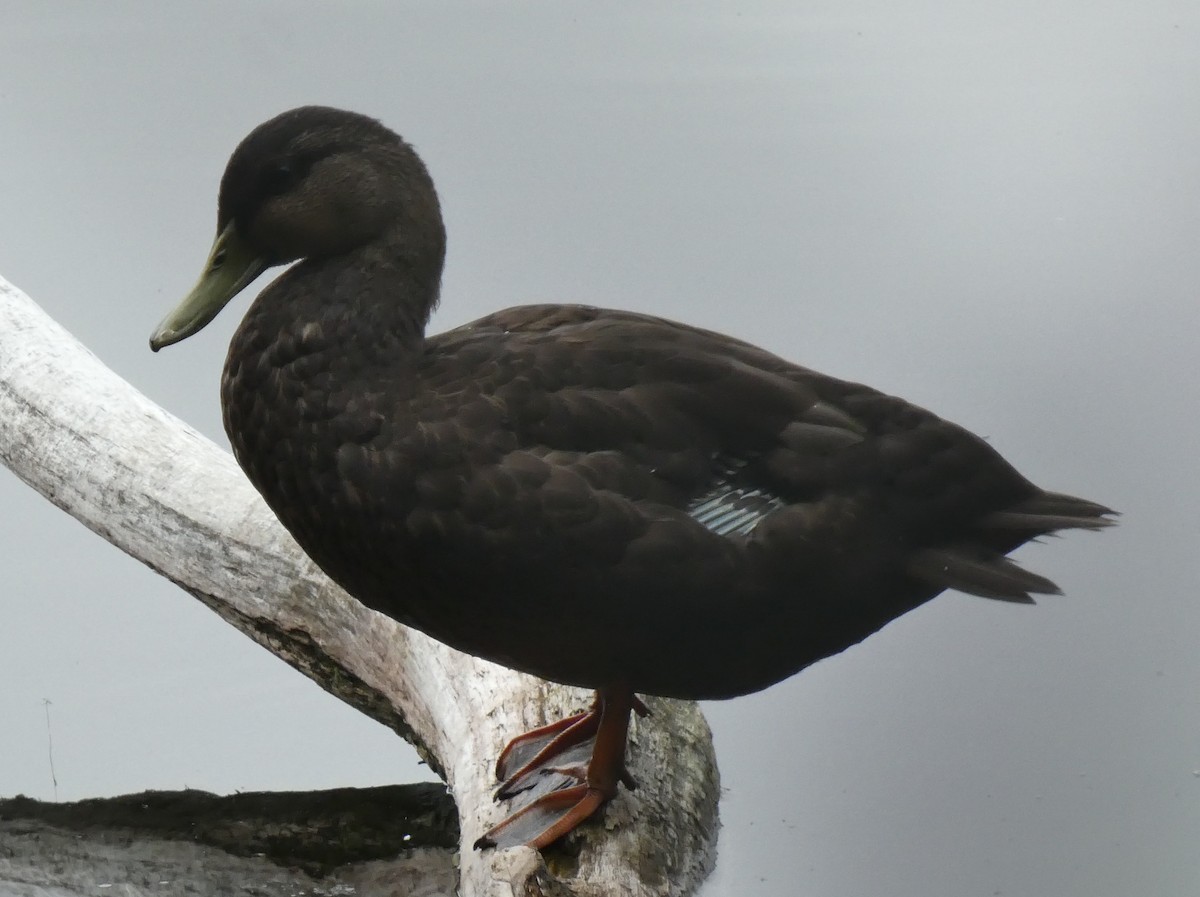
x: 990, y: 209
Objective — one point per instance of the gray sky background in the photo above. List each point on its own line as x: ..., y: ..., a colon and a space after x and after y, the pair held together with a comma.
x: 990, y: 209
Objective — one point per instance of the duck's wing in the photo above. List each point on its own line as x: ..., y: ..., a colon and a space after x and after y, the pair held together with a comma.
x: 651, y: 409
x: 746, y: 445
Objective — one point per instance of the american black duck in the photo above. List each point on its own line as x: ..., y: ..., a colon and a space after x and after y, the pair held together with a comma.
x: 597, y: 497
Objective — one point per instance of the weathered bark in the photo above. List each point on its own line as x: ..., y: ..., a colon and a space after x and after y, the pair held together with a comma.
x: 164, y: 494
x: 394, y: 840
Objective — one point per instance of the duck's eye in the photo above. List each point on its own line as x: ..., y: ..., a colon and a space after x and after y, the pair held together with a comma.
x: 278, y: 177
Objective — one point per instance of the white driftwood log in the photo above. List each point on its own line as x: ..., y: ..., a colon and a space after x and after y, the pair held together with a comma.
x: 161, y: 492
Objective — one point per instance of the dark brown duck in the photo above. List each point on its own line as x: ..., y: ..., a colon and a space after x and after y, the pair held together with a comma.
x: 597, y: 497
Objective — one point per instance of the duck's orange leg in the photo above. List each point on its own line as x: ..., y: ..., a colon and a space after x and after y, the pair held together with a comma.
x: 553, y: 815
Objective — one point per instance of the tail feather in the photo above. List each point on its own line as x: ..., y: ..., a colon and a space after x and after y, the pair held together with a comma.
x: 988, y: 575
x: 981, y: 568
x: 1050, y: 511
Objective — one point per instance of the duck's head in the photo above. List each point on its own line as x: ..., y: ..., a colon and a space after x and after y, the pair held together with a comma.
x: 313, y: 182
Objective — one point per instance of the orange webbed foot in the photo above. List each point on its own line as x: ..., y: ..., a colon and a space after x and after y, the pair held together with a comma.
x: 597, y: 735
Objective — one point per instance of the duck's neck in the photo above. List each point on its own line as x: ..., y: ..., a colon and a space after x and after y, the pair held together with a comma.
x: 380, y: 296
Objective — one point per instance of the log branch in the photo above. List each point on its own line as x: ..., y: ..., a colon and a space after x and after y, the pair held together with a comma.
x: 161, y: 492
x: 190, y: 842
